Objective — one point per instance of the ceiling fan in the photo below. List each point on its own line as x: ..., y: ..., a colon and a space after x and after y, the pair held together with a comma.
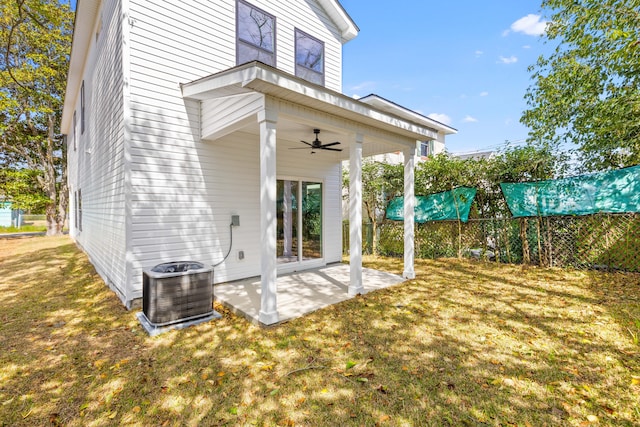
x: 318, y: 145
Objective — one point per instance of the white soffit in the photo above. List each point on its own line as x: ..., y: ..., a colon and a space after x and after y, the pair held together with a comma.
x: 84, y: 22
x: 258, y: 77
x: 336, y: 12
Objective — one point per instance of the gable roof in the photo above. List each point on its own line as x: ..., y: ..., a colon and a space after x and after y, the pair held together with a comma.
x: 398, y: 110
x: 342, y: 19
x: 84, y: 22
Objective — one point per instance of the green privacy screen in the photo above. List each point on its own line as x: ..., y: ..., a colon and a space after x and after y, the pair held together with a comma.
x: 448, y: 205
x: 611, y: 192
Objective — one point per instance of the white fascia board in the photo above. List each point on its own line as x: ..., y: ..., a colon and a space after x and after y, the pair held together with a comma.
x: 83, y: 25
x: 258, y: 77
x: 336, y: 12
x: 393, y: 108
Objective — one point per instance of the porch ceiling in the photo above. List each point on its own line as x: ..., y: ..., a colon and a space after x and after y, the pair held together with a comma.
x: 384, y: 132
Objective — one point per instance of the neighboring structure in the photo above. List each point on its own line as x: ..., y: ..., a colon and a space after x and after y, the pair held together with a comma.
x: 180, y: 115
x: 475, y: 155
x: 6, y: 214
x: 10, y: 217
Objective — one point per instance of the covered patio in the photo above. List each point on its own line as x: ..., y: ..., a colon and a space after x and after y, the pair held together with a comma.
x: 300, y: 293
x: 273, y: 112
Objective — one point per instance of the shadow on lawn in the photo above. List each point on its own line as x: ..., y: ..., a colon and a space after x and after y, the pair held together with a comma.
x: 464, y: 344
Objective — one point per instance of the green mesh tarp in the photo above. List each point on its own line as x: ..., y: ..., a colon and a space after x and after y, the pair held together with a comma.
x: 607, y: 192
x: 448, y: 205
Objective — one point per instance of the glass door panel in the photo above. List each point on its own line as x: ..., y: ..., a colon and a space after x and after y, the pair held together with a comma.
x: 311, y: 220
x: 287, y: 211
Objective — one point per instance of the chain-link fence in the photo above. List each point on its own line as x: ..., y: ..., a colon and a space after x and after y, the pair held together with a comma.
x: 602, y: 241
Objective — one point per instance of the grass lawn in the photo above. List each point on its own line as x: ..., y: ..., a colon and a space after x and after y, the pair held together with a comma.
x: 466, y: 343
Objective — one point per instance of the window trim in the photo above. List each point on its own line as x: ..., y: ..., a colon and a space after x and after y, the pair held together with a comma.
x: 295, y: 55
x: 248, y: 43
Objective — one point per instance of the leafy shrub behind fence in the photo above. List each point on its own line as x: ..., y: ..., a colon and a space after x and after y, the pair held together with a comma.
x: 601, y: 241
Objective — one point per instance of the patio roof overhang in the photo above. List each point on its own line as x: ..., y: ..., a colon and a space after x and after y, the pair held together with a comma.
x: 258, y: 98
x: 256, y: 77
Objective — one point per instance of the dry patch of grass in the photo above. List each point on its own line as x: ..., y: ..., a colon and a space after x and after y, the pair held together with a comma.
x: 466, y: 343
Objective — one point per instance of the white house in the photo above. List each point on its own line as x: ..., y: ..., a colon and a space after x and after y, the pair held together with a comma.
x: 179, y: 115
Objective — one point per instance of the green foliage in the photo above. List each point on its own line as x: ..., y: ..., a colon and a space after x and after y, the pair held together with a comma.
x: 21, y: 188
x: 35, y: 43
x: 513, y: 164
x: 587, y: 92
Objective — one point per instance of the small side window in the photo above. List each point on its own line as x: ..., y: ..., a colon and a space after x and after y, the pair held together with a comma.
x: 75, y: 131
x: 79, y: 210
x: 82, y: 108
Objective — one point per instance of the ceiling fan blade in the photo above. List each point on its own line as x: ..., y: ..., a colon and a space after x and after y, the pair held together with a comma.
x: 305, y: 142
x: 331, y: 144
x: 300, y: 148
x: 330, y: 149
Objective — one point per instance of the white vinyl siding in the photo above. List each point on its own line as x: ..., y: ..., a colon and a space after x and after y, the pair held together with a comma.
x: 96, y: 172
x: 183, y: 190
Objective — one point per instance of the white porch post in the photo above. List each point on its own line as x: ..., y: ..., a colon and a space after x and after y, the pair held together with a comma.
x: 268, y: 119
x: 409, y: 211
x: 355, y: 216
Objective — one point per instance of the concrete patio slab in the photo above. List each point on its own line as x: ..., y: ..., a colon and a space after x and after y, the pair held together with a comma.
x: 301, y: 292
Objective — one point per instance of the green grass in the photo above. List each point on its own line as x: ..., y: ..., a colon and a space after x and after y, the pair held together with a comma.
x: 466, y: 343
x: 23, y: 229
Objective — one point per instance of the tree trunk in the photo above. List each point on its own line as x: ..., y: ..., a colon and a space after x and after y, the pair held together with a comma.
x: 526, y: 257
x: 56, y: 210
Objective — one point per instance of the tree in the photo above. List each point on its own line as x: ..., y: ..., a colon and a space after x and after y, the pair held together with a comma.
x: 21, y: 187
x: 35, y: 42
x: 587, y: 92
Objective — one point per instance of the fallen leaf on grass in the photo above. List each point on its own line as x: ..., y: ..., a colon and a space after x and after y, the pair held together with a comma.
x: 381, y: 389
x: 384, y: 418
x: 350, y: 364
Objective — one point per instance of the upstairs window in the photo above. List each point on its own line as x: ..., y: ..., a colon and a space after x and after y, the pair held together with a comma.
x: 256, y: 35
x: 309, y: 58
x: 426, y: 148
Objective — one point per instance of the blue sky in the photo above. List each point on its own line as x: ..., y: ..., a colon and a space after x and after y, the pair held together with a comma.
x: 461, y: 62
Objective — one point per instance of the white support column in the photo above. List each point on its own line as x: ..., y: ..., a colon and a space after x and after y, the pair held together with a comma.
x: 409, y: 211
x: 355, y: 216
x: 267, y: 120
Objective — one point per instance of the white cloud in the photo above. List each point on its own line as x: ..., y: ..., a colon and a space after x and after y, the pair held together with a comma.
x: 510, y: 60
x: 526, y: 46
x: 479, y: 53
x: 442, y: 118
x: 363, y: 86
x: 531, y: 25
x: 505, y: 33
x: 469, y: 119
x: 485, y: 93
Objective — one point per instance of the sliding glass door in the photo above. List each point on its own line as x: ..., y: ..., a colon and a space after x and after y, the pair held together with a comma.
x: 299, y: 209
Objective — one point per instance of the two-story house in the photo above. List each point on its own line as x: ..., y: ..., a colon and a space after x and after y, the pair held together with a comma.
x: 180, y: 115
